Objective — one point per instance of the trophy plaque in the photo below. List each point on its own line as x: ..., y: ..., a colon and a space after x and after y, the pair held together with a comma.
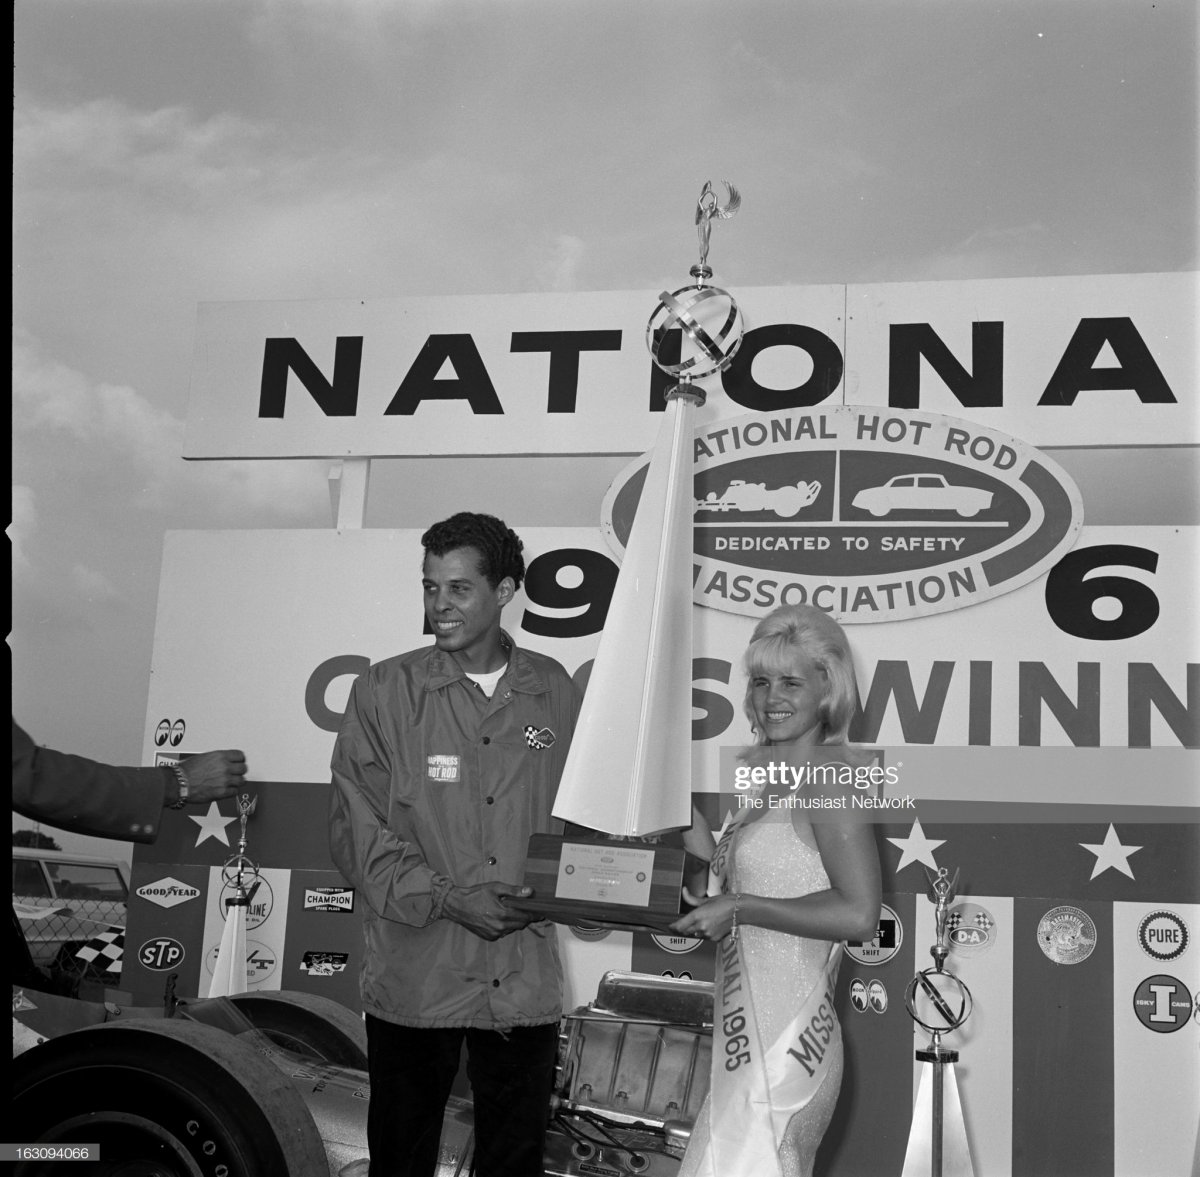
x: 624, y: 883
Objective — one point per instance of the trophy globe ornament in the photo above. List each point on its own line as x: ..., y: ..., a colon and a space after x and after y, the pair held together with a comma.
x: 938, y: 1002
x: 708, y: 317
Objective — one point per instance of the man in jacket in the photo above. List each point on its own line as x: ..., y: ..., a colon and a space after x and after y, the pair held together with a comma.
x: 86, y: 797
x: 447, y: 759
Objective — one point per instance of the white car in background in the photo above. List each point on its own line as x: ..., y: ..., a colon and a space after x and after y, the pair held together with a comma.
x: 63, y: 899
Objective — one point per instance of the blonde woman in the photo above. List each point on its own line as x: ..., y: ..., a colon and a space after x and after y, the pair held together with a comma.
x: 792, y: 891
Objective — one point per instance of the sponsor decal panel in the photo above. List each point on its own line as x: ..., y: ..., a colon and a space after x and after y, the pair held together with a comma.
x: 1163, y: 935
x: 1162, y: 1003
x: 885, y: 943
x: 161, y: 953
x: 971, y: 929
x: 858, y: 994
x: 1067, y: 935
x: 870, y: 514
x: 324, y: 964
x: 169, y: 731
x: 262, y: 900
x: 589, y: 931
x: 877, y: 995
x: 676, y: 944
x: 260, y: 961
x: 329, y: 899
x: 167, y: 892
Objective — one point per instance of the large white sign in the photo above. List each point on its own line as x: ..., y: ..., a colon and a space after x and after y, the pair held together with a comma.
x: 1103, y: 652
x: 1052, y: 361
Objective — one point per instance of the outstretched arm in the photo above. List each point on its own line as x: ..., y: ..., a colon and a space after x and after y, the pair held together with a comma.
x: 847, y: 910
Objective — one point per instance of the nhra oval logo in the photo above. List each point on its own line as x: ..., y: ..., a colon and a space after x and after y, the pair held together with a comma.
x: 871, y: 514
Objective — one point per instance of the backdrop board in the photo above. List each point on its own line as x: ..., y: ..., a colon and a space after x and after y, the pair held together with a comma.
x: 1071, y: 761
x: 1029, y: 676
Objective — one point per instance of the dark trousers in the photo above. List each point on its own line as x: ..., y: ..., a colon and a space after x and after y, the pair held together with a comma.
x: 511, y: 1074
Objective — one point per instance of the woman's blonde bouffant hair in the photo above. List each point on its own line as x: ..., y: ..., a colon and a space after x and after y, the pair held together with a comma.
x: 816, y: 634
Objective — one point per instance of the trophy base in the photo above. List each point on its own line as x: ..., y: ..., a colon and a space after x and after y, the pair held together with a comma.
x: 596, y: 881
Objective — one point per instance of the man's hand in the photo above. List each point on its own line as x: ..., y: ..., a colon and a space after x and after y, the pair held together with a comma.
x: 212, y: 776
x: 481, y: 909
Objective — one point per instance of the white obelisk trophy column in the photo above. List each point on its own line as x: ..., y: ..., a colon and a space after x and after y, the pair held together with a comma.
x: 629, y: 769
x: 229, y: 971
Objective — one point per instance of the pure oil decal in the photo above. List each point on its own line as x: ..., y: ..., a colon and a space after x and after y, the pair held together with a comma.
x: 872, y: 514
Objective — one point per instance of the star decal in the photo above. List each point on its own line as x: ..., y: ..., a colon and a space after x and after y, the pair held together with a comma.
x: 916, y: 847
x: 212, y: 824
x: 1110, y: 853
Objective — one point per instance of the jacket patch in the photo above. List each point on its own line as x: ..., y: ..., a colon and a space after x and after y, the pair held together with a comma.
x: 538, y: 737
x: 443, y: 768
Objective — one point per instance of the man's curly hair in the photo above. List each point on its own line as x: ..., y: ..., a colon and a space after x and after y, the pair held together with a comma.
x: 499, y: 547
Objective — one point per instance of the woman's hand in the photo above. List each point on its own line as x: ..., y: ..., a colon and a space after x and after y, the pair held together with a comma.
x: 711, y: 919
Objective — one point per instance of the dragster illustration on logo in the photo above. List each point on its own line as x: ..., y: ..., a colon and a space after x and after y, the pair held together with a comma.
x: 740, y: 495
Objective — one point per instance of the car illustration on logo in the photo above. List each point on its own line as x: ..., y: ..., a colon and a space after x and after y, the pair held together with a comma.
x: 922, y: 492
x: 741, y: 495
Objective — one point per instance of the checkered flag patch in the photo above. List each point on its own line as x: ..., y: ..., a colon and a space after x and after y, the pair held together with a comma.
x: 537, y: 737
x: 104, y: 952
x: 980, y: 919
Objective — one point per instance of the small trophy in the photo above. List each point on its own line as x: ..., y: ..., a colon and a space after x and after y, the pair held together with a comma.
x: 707, y: 317
x: 229, y: 971
x: 939, y: 1002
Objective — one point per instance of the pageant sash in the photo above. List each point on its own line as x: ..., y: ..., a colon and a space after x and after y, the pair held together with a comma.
x: 756, y: 1090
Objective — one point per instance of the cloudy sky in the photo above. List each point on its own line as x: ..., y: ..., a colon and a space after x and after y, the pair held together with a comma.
x: 169, y: 152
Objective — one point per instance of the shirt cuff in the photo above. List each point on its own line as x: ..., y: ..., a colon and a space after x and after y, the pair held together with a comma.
x: 439, y: 889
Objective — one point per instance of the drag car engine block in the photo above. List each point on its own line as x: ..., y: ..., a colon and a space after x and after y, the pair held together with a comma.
x: 633, y: 1071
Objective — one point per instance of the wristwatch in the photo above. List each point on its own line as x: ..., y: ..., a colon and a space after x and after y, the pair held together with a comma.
x: 184, y: 788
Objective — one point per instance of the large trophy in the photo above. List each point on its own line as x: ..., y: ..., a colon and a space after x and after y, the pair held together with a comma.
x: 627, y: 778
x: 938, y: 1002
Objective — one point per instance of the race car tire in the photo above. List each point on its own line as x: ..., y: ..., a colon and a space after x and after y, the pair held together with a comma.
x: 306, y: 1023
x: 164, y: 1099
x: 787, y: 501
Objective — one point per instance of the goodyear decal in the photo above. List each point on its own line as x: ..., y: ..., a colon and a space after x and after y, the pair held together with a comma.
x: 168, y: 892
x: 871, y: 514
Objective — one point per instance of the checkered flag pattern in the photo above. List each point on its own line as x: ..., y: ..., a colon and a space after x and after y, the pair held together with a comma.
x: 104, y: 952
x: 538, y: 737
x: 980, y: 919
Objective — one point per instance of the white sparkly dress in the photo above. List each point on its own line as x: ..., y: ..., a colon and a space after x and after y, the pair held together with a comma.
x: 769, y: 857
